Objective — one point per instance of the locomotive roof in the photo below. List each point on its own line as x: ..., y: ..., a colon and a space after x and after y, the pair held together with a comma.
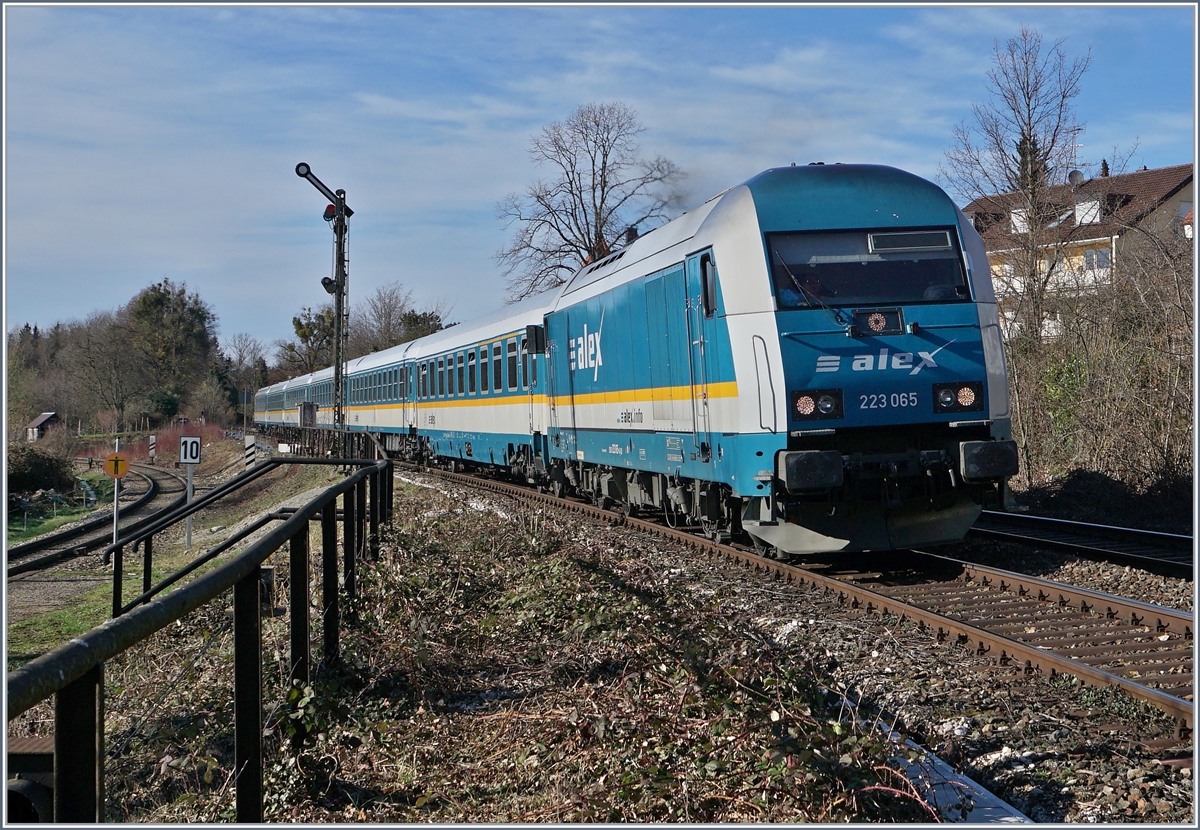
x: 829, y: 196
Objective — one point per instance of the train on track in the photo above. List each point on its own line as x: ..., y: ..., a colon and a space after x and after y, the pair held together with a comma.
x: 812, y: 357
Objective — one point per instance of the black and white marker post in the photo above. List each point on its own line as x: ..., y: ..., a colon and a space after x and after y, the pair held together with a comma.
x: 189, y: 454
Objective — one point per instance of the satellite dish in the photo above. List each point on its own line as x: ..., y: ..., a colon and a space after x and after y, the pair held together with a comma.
x: 1076, y: 178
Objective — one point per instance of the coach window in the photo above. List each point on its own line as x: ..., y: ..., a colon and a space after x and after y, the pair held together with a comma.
x: 471, y: 372
x: 441, y: 377
x: 524, y: 364
x: 512, y: 363
x: 497, y: 368
x: 483, y: 369
x: 421, y: 371
x: 462, y: 384
x: 450, y: 376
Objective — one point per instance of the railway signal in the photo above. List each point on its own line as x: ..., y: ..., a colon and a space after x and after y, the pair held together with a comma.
x: 337, y: 212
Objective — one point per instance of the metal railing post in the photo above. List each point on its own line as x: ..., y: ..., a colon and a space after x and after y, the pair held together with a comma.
x: 147, y: 563
x: 391, y: 489
x: 247, y: 697
x: 376, y: 484
x: 360, y: 513
x: 329, y: 579
x: 118, y: 576
x: 298, y: 606
x: 79, y: 749
x: 349, y: 538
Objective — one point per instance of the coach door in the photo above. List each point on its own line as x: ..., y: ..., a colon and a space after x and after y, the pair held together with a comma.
x: 701, y: 282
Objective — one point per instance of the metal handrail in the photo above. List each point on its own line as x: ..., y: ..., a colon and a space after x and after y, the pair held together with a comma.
x: 73, y: 672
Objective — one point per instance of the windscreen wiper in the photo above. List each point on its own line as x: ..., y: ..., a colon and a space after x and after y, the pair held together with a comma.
x: 809, y: 298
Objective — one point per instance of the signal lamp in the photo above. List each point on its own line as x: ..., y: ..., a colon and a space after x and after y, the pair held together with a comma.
x: 815, y: 404
x: 958, y: 397
x: 330, y: 212
x: 329, y: 284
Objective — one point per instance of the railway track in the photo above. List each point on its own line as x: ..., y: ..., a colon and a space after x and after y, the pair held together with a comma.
x: 1020, y: 623
x: 165, y: 490
x: 1169, y: 552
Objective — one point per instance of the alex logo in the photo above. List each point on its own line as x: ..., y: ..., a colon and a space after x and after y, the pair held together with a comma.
x: 585, y: 350
x: 869, y: 362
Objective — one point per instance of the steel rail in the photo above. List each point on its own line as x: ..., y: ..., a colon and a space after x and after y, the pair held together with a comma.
x: 1172, y: 550
x: 1012, y: 652
x: 101, y: 523
x: 45, y: 675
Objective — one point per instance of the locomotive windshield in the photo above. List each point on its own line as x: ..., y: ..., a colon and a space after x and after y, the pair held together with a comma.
x: 859, y: 268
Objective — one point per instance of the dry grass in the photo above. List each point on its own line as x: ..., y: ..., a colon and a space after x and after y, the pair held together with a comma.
x: 506, y: 667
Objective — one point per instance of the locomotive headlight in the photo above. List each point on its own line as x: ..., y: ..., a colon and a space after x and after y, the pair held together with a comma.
x: 814, y: 404
x: 958, y: 397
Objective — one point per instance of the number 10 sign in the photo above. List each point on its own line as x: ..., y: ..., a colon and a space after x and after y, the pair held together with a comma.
x: 189, y: 449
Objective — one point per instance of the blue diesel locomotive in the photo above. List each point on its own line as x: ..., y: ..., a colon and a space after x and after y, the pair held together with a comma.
x: 812, y: 357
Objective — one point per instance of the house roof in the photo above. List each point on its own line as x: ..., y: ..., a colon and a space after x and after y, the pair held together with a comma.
x: 41, y: 419
x: 1125, y: 200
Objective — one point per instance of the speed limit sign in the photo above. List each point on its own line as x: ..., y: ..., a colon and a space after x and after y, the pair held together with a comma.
x: 189, y: 449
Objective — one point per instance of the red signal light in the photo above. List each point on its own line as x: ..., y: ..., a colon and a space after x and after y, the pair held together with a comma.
x: 330, y: 212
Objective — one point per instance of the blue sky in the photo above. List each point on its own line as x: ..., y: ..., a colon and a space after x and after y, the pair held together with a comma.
x: 143, y: 142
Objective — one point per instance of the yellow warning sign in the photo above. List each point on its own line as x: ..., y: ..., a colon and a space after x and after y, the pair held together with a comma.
x: 116, y: 465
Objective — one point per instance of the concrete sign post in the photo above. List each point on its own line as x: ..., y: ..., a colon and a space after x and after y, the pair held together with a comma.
x: 189, y: 454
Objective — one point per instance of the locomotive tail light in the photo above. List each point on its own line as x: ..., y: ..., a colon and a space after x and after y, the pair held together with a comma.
x: 958, y: 397
x: 817, y: 404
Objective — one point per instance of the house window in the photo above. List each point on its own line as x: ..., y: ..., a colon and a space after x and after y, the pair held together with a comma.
x: 1087, y: 212
x: 1020, y: 221
x: 1097, y: 259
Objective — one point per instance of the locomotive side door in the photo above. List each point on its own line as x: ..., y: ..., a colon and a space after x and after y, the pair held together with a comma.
x: 701, y: 280
x: 559, y: 392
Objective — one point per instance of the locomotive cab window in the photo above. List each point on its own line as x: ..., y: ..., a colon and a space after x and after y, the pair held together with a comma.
x: 865, y: 268
x: 708, y: 279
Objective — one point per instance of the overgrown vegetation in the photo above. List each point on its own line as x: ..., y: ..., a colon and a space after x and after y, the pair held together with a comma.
x: 506, y: 668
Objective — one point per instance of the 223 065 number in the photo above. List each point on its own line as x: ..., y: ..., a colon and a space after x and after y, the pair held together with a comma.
x: 884, y: 401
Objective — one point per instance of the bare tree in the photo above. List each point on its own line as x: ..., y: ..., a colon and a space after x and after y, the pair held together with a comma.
x: 599, y: 187
x: 102, y: 360
x: 1021, y: 145
x: 247, y: 366
x: 388, y: 318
